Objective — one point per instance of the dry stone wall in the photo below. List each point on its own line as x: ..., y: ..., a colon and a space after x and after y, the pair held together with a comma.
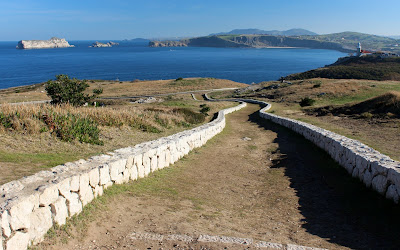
x: 30, y: 206
x: 374, y: 169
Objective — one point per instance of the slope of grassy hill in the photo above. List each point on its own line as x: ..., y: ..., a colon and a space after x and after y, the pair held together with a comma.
x: 366, y: 67
x: 350, y: 40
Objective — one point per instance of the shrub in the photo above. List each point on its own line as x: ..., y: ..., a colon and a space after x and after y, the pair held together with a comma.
x: 306, y: 101
x: 179, y: 79
x: 71, y: 126
x: 191, y: 116
x: 317, y: 85
x: 204, y: 109
x: 67, y: 90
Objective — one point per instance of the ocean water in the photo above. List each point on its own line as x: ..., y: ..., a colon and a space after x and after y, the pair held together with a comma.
x: 137, y: 61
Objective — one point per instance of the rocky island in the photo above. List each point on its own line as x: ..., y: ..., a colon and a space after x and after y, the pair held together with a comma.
x: 54, y: 42
x: 167, y: 44
x: 100, y: 45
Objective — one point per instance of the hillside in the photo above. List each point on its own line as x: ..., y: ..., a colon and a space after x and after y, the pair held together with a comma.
x: 251, y: 41
x: 350, y: 39
x: 366, y: 67
x: 291, y: 32
x: 345, y: 41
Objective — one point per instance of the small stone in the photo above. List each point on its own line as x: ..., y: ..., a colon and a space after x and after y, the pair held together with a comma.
x: 18, y: 241
x: 59, y: 211
x: 41, y: 222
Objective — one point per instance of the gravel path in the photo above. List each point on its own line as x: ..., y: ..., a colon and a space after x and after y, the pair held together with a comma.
x: 255, y: 182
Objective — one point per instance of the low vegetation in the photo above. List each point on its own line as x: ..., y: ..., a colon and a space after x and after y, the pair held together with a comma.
x: 383, y: 106
x: 123, y: 89
x: 68, y: 122
x: 307, y: 102
x: 367, y: 67
x: 35, y: 137
x: 65, y: 90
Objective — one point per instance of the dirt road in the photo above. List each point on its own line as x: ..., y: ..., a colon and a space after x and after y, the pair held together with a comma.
x: 257, y: 181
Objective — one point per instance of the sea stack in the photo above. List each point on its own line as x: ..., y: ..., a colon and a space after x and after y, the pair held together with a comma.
x: 54, y: 42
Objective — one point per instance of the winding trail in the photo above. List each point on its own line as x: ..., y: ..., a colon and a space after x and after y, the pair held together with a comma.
x: 256, y: 180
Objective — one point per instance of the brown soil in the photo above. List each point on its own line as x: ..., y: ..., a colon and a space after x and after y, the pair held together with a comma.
x: 276, y: 187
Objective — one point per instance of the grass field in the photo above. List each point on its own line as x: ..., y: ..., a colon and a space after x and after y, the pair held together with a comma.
x: 35, y: 137
x: 121, y: 88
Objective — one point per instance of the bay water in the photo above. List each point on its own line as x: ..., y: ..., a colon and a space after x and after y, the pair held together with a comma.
x: 131, y: 61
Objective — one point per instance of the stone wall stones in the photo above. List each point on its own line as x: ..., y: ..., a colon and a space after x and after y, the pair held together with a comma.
x: 30, y: 206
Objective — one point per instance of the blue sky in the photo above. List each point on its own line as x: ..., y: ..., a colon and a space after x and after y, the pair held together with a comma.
x: 126, y: 19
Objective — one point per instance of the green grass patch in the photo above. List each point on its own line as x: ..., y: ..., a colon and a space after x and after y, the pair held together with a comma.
x: 175, y: 103
x: 47, y: 160
x: 252, y: 147
x: 187, y: 82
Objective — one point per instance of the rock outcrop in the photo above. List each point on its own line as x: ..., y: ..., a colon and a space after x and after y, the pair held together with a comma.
x: 167, y: 44
x: 100, y: 45
x: 54, y: 42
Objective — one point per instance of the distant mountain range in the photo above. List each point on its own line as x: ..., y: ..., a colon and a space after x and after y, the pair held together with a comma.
x: 291, y: 32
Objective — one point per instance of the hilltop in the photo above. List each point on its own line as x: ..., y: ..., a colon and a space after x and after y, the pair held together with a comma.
x: 365, y: 67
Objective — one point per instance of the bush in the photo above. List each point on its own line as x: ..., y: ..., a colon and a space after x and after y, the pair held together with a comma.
x: 70, y: 127
x: 191, y: 116
x: 204, y: 109
x: 317, y: 85
x: 179, y: 79
x: 67, y: 90
x: 307, y: 102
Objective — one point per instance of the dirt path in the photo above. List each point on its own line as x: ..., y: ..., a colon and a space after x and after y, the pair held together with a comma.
x: 276, y: 187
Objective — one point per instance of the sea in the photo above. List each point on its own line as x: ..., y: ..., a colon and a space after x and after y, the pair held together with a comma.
x: 130, y: 61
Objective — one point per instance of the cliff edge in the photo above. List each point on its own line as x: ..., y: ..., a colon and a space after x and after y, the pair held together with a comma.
x: 54, y: 42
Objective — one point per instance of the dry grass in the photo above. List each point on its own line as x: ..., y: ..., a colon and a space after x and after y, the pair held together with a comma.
x: 162, y: 86
x: 26, y: 147
x: 30, y: 118
x: 125, y: 88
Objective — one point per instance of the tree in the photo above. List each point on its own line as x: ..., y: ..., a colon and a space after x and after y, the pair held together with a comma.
x: 67, y: 90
